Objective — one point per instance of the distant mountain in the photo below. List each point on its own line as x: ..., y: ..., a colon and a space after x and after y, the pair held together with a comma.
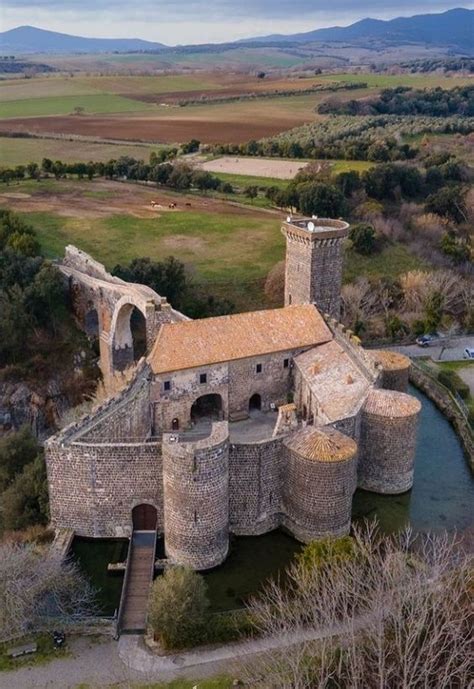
x: 453, y: 28
x: 29, y: 39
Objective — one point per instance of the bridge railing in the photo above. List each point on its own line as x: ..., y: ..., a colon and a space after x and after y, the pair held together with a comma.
x: 123, y: 594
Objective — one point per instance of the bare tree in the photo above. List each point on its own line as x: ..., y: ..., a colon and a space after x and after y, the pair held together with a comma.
x: 394, y: 614
x: 39, y: 592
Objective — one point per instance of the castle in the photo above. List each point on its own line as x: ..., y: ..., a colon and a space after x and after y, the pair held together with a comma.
x: 237, y: 424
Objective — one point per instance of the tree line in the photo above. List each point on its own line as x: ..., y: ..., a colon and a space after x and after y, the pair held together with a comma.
x: 404, y: 100
x: 163, y: 169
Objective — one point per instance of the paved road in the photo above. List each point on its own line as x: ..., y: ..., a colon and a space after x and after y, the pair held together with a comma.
x: 449, y: 350
x: 98, y: 665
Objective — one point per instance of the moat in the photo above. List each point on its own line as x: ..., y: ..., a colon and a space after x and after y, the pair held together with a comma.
x: 441, y: 498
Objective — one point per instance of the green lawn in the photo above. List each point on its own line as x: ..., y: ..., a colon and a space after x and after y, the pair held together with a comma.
x: 64, y: 105
x: 455, y: 365
x: 231, y: 254
x: 243, y: 181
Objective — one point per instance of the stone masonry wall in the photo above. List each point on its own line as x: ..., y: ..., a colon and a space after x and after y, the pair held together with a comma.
x: 124, y: 418
x: 326, y: 276
x: 235, y: 381
x: 298, y: 268
x: 313, y: 272
x: 317, y: 496
x: 255, y: 487
x: 93, y: 488
x: 273, y: 383
x: 185, y: 390
x: 387, y: 453
x: 196, y: 499
x: 395, y: 379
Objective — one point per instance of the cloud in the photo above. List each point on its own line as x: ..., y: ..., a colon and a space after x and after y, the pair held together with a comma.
x: 198, y: 21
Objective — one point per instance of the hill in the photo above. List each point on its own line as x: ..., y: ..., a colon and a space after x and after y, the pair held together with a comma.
x: 453, y: 28
x: 29, y: 39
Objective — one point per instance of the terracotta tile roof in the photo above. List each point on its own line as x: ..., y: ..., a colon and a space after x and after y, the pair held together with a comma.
x: 328, y: 445
x: 335, y: 380
x: 190, y: 344
x: 391, y: 361
x: 391, y: 404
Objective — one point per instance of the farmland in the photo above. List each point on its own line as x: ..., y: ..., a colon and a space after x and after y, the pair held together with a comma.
x: 147, y: 108
x: 18, y: 151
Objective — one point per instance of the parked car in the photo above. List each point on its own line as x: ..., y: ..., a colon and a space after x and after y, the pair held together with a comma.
x: 427, y: 340
x: 468, y: 353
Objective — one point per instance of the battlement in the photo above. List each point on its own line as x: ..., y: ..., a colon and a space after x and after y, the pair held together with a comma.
x: 314, y: 229
x: 353, y: 346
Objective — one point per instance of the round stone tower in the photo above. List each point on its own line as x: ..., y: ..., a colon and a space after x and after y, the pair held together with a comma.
x: 314, y: 261
x: 388, y: 442
x: 319, y: 482
x: 196, y: 499
x: 395, y: 369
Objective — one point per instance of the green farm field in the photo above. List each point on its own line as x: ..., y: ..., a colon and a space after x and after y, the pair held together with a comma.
x: 229, y: 248
x: 18, y: 151
x: 64, y: 105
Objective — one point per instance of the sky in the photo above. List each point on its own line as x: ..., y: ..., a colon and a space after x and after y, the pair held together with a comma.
x: 201, y: 21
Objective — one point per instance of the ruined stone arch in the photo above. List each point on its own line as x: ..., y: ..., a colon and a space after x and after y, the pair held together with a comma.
x: 121, y: 336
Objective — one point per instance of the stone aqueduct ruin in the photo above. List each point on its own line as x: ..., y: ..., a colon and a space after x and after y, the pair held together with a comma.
x: 103, y: 305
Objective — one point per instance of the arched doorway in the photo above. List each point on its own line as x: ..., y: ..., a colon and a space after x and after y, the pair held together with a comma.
x: 129, y: 339
x: 207, y: 408
x: 255, y: 402
x: 144, y: 517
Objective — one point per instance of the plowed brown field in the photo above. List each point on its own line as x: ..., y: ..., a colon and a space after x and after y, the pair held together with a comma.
x: 159, y: 130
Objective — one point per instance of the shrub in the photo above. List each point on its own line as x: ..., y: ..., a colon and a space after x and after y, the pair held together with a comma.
x: 363, y: 238
x: 178, y: 607
x: 453, y: 382
x: 318, y: 553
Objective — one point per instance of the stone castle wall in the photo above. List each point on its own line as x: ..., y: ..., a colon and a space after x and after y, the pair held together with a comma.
x: 185, y: 389
x: 387, y: 447
x: 124, y: 418
x: 93, y: 488
x: 317, y: 496
x: 255, y: 487
x: 196, y: 499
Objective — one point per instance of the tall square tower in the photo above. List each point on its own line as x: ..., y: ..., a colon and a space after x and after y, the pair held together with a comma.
x: 314, y: 262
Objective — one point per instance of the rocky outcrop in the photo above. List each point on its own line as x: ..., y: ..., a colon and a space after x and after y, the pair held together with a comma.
x: 23, y: 404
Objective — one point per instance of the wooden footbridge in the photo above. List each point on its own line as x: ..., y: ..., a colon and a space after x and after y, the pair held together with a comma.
x: 137, y: 583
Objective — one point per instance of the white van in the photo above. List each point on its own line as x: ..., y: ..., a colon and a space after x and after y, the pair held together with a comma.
x: 468, y: 353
